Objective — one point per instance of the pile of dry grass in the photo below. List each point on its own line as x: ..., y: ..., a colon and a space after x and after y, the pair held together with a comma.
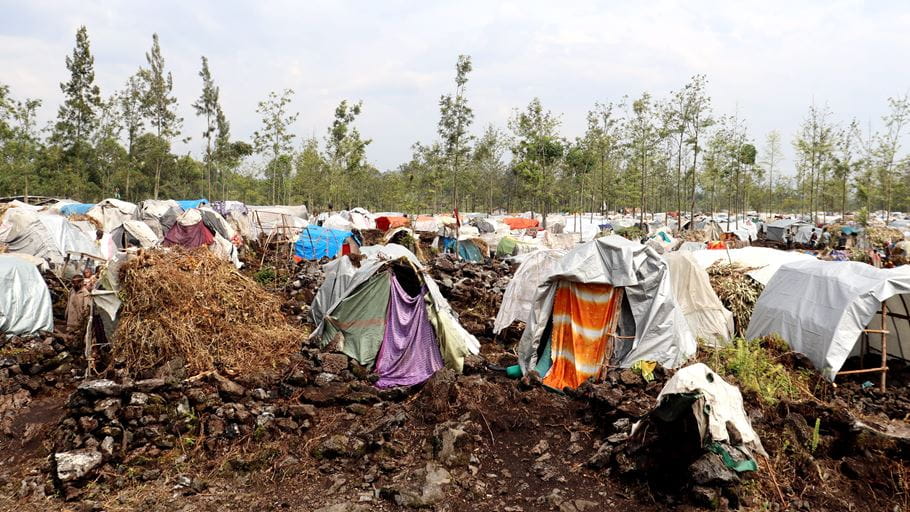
x: 191, y: 305
x: 880, y: 237
x: 737, y: 291
x: 698, y: 235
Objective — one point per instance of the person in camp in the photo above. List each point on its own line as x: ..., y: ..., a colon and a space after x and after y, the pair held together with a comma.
x: 813, y: 240
x: 89, y: 279
x: 826, y: 238
x: 842, y: 241
x: 77, y: 306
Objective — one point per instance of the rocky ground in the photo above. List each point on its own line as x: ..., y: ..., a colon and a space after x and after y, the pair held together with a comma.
x: 316, y: 435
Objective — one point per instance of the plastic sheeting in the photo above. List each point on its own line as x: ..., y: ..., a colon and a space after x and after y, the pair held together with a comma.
x: 75, y: 209
x: 25, y: 302
x: 518, y: 298
x: 189, y: 204
x: 112, y: 213
x: 765, y: 260
x: 707, y: 317
x: 48, y: 236
x: 317, y: 242
x: 660, y: 330
x: 722, y: 403
x: 821, y: 308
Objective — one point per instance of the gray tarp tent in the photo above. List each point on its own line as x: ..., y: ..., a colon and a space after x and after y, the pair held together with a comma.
x: 822, y: 307
x: 25, y: 302
x: 649, y: 311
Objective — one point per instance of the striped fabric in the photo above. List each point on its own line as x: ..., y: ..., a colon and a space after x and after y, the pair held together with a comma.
x: 583, y: 317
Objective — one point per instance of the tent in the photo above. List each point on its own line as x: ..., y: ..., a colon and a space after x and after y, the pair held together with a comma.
x: 134, y: 233
x: 608, y: 301
x: 25, y: 302
x: 189, y: 232
x: 520, y: 222
x: 75, y: 209
x: 764, y: 260
x: 518, y: 297
x: 707, y: 317
x: 317, y: 242
x: 112, y: 213
x: 821, y: 308
x: 388, y: 222
x: 276, y: 220
x: 777, y: 231
x: 45, y: 235
x: 189, y: 204
x: 159, y: 215
x: 388, y: 314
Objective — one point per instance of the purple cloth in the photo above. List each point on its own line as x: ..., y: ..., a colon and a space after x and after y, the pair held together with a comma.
x: 409, y: 354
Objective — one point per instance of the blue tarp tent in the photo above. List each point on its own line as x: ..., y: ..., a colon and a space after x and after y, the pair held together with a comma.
x: 318, y: 242
x: 76, y: 209
x: 189, y: 204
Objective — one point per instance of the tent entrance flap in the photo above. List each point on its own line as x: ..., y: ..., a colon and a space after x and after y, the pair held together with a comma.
x: 584, y: 323
x: 360, y: 320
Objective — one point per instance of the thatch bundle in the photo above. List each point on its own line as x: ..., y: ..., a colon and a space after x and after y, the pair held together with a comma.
x: 737, y: 291
x: 697, y: 235
x: 880, y: 237
x: 192, y: 305
x: 91, y: 220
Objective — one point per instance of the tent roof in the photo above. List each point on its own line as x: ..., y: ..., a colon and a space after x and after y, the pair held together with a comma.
x: 821, y: 307
x: 25, y: 302
x: 765, y: 260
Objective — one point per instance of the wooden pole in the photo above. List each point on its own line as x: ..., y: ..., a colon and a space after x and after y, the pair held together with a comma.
x: 884, y: 345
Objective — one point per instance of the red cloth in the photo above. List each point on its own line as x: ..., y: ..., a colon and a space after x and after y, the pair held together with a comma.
x: 521, y: 222
x: 387, y: 223
x: 188, y: 236
x: 716, y: 245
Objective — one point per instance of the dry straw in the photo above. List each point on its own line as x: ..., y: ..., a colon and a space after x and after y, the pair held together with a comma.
x: 191, y: 305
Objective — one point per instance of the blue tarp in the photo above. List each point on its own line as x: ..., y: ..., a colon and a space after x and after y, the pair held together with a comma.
x: 189, y: 204
x: 849, y: 230
x: 318, y: 242
x: 76, y: 209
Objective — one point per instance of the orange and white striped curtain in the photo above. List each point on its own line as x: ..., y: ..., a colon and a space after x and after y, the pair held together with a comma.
x: 584, y: 317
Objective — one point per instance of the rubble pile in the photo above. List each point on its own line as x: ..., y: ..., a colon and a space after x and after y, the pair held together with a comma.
x: 32, y: 367
x: 474, y: 290
x: 302, y: 288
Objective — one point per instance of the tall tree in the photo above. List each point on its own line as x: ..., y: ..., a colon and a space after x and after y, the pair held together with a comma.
x: 603, y: 139
x: 454, y: 122
x: 813, y: 145
x: 158, y: 104
x: 209, y: 108
x: 77, y: 116
x: 698, y: 120
x: 537, y: 151
x: 772, y: 157
x: 275, y: 140
x: 887, y: 145
x: 347, y: 152
x: 129, y: 101
x: 488, y: 157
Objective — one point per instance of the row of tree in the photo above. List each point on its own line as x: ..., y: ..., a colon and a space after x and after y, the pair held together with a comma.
x: 639, y: 154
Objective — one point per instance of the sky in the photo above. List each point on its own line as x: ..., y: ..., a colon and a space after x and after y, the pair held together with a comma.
x: 765, y: 61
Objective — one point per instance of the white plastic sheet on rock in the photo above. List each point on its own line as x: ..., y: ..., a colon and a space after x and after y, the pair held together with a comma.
x: 25, y: 302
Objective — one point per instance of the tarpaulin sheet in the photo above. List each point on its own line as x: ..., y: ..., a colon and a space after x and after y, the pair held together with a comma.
x: 317, y: 242
x: 391, y: 222
x: 520, y: 222
x: 707, y: 317
x: 189, y: 204
x: 409, y: 354
x: 25, y: 302
x: 360, y: 319
x: 660, y: 330
x: 822, y: 307
x: 76, y: 209
x: 584, y: 315
x: 189, y: 237
x: 518, y: 297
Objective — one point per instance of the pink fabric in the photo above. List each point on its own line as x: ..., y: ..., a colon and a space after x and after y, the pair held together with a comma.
x: 188, y: 236
x: 409, y: 353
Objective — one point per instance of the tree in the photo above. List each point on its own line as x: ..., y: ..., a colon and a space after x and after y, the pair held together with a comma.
x: 642, y: 137
x: 19, y: 143
x: 129, y: 101
x: 887, y: 145
x: 208, y: 107
x: 813, y: 146
x: 346, y: 152
x: 698, y: 119
x: 454, y: 122
x: 158, y: 104
x: 77, y: 116
x: 603, y: 138
x: 773, y: 155
x: 537, y: 151
x: 488, y: 158
x: 275, y: 140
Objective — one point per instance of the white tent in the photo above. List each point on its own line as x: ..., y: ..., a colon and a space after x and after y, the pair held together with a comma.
x: 764, y: 260
x: 112, y: 213
x: 281, y: 220
x: 45, y: 235
x: 822, y: 307
x: 25, y: 302
x: 649, y: 313
x: 707, y: 317
x: 518, y: 298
